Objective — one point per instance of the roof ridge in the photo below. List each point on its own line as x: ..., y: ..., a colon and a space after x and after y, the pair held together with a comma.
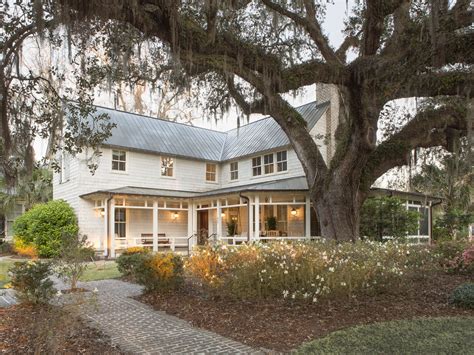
x: 267, y: 117
x: 160, y: 119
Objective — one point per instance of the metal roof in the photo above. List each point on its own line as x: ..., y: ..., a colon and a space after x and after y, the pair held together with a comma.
x: 154, y: 135
x: 142, y: 191
x: 290, y: 184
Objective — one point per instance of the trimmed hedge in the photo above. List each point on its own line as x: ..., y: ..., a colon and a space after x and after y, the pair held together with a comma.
x: 44, y: 225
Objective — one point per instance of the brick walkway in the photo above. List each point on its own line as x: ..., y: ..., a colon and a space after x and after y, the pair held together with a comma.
x: 137, y: 328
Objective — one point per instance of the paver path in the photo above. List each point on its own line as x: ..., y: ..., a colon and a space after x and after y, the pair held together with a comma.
x: 7, y: 298
x: 137, y: 328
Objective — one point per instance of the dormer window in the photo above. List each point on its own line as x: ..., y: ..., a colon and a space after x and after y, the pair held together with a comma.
x: 119, y: 158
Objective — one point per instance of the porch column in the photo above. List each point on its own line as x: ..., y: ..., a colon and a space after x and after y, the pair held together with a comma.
x: 250, y: 212
x: 105, y: 241
x: 112, y: 228
x: 307, y: 216
x: 219, y: 220
x: 155, y: 225
x: 257, y: 218
x: 190, y: 219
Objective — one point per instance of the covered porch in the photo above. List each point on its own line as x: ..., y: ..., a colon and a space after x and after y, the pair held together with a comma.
x: 164, y: 220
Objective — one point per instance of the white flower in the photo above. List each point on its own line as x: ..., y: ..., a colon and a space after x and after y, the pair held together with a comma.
x: 343, y: 284
x: 331, y: 269
x: 315, y: 300
x: 95, y: 290
x: 285, y: 272
x: 286, y: 293
x: 59, y: 293
x: 263, y: 271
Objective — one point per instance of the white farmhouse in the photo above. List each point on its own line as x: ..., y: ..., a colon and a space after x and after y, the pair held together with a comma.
x: 168, y: 185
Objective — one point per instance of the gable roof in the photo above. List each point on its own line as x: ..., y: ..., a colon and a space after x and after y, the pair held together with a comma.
x: 148, y: 134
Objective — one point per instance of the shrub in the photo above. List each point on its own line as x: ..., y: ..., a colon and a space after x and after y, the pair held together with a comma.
x: 44, y: 225
x: 463, y: 296
x: 307, y: 270
x: 73, y: 257
x: 130, y: 259
x: 31, y: 281
x: 160, y: 272
x: 456, y: 256
x: 23, y: 248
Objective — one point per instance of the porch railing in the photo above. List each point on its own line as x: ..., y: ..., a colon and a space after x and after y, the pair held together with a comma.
x: 164, y: 242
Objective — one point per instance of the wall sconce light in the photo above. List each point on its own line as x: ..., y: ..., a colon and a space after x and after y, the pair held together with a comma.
x: 175, y: 215
x: 102, y: 213
x: 223, y: 214
x: 293, y: 212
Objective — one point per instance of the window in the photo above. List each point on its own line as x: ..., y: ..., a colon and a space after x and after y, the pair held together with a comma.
x: 120, y: 223
x: 234, y: 171
x: 257, y: 166
x: 119, y: 158
x: 64, y: 168
x: 167, y: 166
x: 282, y: 164
x: 211, y: 170
x: 268, y: 163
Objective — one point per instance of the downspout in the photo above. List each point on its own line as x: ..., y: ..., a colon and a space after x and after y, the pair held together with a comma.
x: 248, y: 213
x: 106, y: 250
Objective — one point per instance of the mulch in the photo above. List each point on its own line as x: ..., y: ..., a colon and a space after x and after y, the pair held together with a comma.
x: 49, y: 330
x: 282, y: 326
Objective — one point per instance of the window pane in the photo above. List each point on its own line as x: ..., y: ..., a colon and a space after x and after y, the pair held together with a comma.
x: 167, y: 166
x: 268, y: 161
x: 257, y: 171
x: 257, y: 161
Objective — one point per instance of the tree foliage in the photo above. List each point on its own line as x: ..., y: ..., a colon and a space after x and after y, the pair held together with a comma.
x: 252, y: 52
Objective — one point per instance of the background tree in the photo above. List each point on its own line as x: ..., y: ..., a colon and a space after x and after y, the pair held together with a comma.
x: 35, y: 94
x: 254, y: 51
x: 387, y: 216
x: 451, y: 177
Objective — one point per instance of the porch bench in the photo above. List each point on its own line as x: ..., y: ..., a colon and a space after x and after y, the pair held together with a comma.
x: 147, y: 239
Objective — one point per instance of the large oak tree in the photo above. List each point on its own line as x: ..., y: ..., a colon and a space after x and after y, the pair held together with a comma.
x: 261, y: 49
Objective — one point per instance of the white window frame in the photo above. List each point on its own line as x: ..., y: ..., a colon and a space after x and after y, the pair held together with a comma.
x: 211, y: 173
x: 234, y: 170
x: 257, y: 167
x: 164, y: 169
x: 65, y: 165
x: 268, y: 164
x: 124, y: 222
x: 280, y: 163
x: 118, y: 161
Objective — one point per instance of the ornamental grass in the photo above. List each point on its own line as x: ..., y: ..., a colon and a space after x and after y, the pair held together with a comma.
x: 309, y: 271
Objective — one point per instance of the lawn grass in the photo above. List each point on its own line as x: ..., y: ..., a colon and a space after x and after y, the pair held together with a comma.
x: 448, y: 335
x: 5, y: 264
x: 101, y: 270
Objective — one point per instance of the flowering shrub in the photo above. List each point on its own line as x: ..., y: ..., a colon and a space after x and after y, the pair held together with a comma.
x: 159, y: 272
x: 23, y: 248
x: 135, y: 250
x: 31, y: 281
x: 456, y: 256
x: 306, y: 270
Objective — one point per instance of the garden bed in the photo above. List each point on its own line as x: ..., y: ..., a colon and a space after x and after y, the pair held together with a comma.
x: 28, y: 330
x: 282, y: 325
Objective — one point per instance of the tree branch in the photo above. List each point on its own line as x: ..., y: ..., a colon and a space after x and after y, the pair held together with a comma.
x: 429, y: 128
